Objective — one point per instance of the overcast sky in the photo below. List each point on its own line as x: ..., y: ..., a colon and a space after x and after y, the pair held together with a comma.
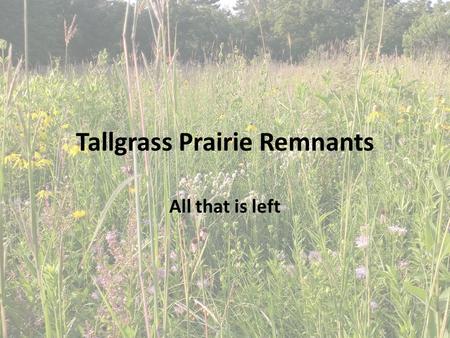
x: 228, y: 3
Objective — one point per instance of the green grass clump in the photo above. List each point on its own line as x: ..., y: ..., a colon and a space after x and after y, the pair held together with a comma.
x: 362, y: 246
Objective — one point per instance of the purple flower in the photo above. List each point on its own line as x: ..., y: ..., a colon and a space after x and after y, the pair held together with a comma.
x: 203, y: 234
x: 314, y: 257
x: 127, y: 170
x: 179, y: 309
x: 173, y: 255
x: 397, y: 230
x: 161, y: 273
x: 151, y: 290
x: 181, y: 194
x: 362, y: 241
x: 94, y: 295
x: 194, y: 245
x: 403, y: 265
x: 361, y: 272
x: 111, y: 238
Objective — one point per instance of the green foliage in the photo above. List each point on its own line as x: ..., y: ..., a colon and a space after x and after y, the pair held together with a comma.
x: 202, y: 31
x: 430, y: 32
x: 286, y: 275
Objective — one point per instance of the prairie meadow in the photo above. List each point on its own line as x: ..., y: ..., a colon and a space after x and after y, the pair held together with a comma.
x: 361, y: 247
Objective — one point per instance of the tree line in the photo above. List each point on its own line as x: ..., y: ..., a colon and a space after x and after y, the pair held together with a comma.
x: 288, y: 30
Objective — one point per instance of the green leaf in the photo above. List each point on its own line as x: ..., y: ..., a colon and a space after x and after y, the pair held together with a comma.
x: 437, y: 182
x: 415, y: 291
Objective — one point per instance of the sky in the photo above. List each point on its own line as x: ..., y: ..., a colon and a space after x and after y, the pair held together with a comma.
x: 228, y: 3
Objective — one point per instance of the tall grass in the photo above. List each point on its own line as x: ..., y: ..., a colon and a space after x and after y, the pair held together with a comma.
x: 361, y: 248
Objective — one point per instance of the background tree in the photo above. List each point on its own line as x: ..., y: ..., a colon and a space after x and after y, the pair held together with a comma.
x: 430, y: 32
x: 201, y: 28
x: 286, y: 29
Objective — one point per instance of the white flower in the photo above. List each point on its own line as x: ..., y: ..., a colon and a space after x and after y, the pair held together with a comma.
x: 397, y: 230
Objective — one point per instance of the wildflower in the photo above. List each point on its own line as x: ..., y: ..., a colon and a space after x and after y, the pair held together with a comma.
x: 445, y: 126
x: 127, y: 170
x: 440, y: 99
x: 283, y: 207
x: 15, y: 160
x: 43, y: 194
x: 173, y: 255
x: 179, y: 309
x: 161, y: 272
x: 203, y: 283
x: 373, y: 305
x: 251, y: 128
x: 361, y: 272
x: 397, y: 230
x: 73, y: 150
x: 203, y: 234
x: 42, y: 148
x: 44, y: 118
x: 405, y: 109
x: 181, y: 194
x: 42, y: 163
x: 362, y: 241
x: 194, y: 245
x: 376, y: 114
x: 94, y: 295
x: 111, y: 238
x: 78, y: 214
x: 314, y: 257
x: 403, y: 265
x: 88, y: 331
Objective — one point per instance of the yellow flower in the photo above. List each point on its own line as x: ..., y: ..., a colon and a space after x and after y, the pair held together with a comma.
x: 78, y: 214
x: 405, y: 109
x: 42, y: 148
x: 43, y: 163
x: 73, y: 150
x: 251, y: 128
x: 440, y: 99
x: 65, y: 126
x: 44, y: 118
x: 15, y: 160
x: 376, y: 115
x: 43, y: 194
